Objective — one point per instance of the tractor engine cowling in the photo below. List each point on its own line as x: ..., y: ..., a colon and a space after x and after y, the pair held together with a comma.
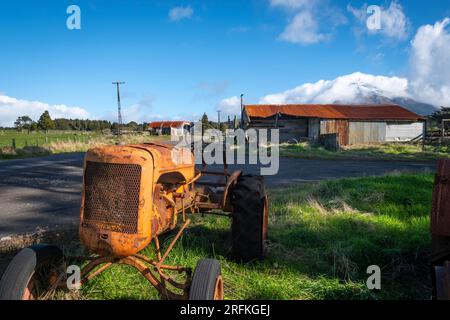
x: 116, y: 209
x: 131, y: 194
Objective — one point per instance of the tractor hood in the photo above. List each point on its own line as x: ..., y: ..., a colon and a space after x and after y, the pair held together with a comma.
x: 118, y: 216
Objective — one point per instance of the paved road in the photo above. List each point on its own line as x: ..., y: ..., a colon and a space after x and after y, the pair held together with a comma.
x: 45, y: 192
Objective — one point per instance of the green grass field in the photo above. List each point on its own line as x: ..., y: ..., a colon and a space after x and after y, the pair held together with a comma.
x: 322, y: 238
x: 23, y: 139
x: 387, y: 151
x: 54, y: 142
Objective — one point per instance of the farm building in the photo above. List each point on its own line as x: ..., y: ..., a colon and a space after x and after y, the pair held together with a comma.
x: 351, y: 124
x: 174, y: 128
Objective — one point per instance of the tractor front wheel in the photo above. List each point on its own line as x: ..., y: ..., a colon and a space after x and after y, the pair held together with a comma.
x: 250, y: 218
x: 31, y: 273
x: 207, y: 282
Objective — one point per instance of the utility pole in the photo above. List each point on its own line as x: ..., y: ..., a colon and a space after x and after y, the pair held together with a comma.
x: 242, y: 110
x: 218, y: 118
x: 119, y: 108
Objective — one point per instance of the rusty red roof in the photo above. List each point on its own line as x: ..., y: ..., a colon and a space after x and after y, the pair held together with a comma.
x: 334, y: 111
x: 166, y: 124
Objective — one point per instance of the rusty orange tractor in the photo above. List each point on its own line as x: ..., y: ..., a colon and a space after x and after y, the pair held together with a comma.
x: 133, y: 194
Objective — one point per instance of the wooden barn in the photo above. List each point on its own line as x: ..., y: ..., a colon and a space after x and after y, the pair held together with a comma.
x: 351, y: 124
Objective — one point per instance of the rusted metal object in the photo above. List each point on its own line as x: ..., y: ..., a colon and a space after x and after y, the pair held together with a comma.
x: 112, y: 196
x: 440, y: 215
x: 119, y: 215
x: 365, y: 132
x: 442, y: 281
x: 334, y: 111
x: 166, y: 124
x: 133, y: 194
x: 226, y: 204
x: 440, y: 232
x: 340, y: 127
x: 172, y: 243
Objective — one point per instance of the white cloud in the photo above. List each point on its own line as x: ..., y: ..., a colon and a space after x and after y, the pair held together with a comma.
x: 428, y: 82
x: 180, y: 13
x: 394, y: 23
x: 355, y: 88
x: 143, y: 110
x: 230, y: 106
x: 11, y: 108
x: 140, y: 111
x: 303, y: 29
x: 345, y: 89
x: 430, y: 63
x: 310, y: 21
x: 360, y: 14
x: 136, y: 112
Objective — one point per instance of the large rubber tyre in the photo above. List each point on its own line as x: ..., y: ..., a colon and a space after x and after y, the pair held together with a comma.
x: 250, y: 218
x: 207, y: 282
x: 31, y: 265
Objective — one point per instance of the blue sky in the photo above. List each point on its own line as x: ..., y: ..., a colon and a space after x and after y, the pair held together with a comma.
x: 180, y: 65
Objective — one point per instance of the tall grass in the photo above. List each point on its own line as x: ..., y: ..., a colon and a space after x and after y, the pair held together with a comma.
x: 65, y: 145
x: 39, y: 138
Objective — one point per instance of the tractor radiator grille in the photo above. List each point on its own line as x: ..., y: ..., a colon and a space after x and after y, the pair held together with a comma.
x: 112, y: 196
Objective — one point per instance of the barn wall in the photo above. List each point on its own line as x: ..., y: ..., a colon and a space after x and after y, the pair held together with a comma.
x: 350, y: 132
x: 361, y: 132
x: 314, y: 128
x: 288, y: 128
x: 398, y: 131
x: 336, y: 126
x: 292, y: 129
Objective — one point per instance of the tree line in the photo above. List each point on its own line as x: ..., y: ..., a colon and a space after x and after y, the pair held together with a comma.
x: 45, y: 123
x: 435, y: 119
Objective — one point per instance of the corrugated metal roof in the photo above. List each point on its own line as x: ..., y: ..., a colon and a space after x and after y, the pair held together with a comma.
x: 166, y: 124
x: 334, y: 111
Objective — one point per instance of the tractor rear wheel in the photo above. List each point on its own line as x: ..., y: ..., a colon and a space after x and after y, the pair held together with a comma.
x: 207, y: 282
x: 250, y: 218
x: 31, y: 272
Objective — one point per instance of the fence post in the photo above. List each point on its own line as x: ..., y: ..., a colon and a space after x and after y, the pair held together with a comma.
x: 14, y: 143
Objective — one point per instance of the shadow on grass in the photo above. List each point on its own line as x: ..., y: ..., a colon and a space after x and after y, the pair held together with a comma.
x: 332, y: 258
x: 66, y: 238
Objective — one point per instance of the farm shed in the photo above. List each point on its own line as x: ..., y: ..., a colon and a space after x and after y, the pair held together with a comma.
x: 353, y: 124
x: 174, y: 128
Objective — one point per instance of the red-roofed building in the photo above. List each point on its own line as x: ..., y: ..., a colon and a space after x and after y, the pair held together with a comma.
x: 353, y: 124
x: 174, y: 128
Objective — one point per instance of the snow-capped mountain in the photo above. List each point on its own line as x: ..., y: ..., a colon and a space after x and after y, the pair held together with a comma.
x: 353, y: 89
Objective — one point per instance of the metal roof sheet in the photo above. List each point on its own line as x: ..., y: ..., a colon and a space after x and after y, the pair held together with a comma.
x: 334, y: 111
x: 166, y: 124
